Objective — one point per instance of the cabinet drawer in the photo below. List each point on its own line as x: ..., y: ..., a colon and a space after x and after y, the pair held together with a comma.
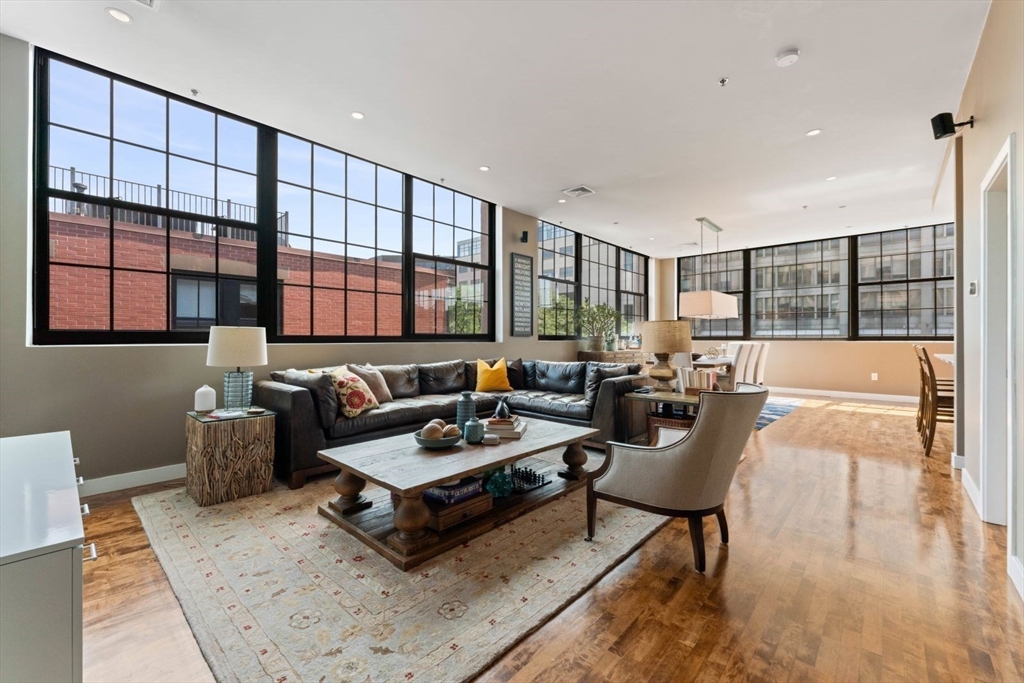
x: 447, y: 517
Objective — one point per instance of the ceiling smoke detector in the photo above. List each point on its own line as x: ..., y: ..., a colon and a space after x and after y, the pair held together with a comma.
x: 787, y: 57
x: 578, y: 191
x: 151, y: 4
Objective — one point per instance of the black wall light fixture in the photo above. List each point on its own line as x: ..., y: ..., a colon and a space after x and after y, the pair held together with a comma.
x: 943, y: 126
x: 525, y: 237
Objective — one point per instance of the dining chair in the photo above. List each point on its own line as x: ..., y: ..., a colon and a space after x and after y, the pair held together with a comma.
x: 936, y: 403
x: 688, y: 472
x: 762, y: 361
x: 739, y: 367
x: 750, y: 371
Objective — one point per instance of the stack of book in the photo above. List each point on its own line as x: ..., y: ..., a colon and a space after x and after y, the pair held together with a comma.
x: 505, y: 428
x: 453, y: 493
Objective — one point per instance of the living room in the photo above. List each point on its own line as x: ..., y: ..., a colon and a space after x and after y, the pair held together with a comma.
x: 372, y: 188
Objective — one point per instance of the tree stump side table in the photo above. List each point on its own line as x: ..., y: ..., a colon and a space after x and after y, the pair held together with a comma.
x: 228, y: 457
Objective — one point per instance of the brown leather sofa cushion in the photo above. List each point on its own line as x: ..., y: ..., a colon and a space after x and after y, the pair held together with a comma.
x: 321, y: 386
x: 400, y: 412
x: 561, y: 378
x: 443, y: 378
x: 403, y: 380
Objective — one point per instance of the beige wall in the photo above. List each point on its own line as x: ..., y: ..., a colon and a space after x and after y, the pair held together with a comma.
x: 665, y: 283
x: 125, y: 405
x: 846, y: 366
x: 994, y: 95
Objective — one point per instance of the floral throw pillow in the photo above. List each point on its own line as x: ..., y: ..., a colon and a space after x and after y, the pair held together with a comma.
x: 354, y: 397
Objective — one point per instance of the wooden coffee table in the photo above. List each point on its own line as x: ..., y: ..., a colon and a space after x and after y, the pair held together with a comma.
x: 398, y: 465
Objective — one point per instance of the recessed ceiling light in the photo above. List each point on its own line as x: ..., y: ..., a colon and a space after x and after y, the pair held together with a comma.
x: 485, y: 168
x: 812, y: 133
x: 831, y: 177
x: 120, y: 15
x: 561, y: 201
x: 358, y: 115
x: 651, y: 238
x: 787, y: 57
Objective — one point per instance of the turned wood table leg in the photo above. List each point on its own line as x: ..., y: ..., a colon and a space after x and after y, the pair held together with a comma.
x: 575, y: 458
x: 350, y: 498
x: 410, y: 520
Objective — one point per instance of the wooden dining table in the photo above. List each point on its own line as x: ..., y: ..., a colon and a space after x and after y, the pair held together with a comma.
x: 947, y: 358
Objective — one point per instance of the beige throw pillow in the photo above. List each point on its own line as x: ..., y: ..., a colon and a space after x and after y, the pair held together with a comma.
x: 374, y: 380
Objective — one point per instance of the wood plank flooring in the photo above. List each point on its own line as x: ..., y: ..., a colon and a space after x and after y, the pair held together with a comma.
x: 852, y: 557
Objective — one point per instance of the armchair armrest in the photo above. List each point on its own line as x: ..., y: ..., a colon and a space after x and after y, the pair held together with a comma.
x: 654, y: 475
x: 298, y: 434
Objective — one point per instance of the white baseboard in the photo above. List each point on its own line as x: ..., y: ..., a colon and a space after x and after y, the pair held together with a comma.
x: 895, y: 398
x: 1016, y: 571
x: 956, y: 461
x: 973, y: 492
x: 127, y: 480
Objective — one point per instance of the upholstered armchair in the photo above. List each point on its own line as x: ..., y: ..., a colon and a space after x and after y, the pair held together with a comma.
x: 688, y: 472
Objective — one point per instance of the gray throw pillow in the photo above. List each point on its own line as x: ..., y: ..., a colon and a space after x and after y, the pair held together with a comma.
x: 403, y: 381
x: 374, y: 380
x: 321, y: 386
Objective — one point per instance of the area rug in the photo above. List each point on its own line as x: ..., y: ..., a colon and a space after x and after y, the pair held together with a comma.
x: 275, y: 592
x: 776, y: 408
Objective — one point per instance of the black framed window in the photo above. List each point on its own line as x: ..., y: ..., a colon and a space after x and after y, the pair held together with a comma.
x: 575, y: 268
x: 157, y: 217
x: 891, y: 284
x: 557, y: 282
x: 905, y: 282
x: 800, y: 290
x: 720, y: 272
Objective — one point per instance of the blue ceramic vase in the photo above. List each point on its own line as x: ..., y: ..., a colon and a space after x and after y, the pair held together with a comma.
x: 474, y: 431
x: 464, y: 409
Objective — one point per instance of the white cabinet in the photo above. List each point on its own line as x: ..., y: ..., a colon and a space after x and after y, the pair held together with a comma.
x: 41, y: 555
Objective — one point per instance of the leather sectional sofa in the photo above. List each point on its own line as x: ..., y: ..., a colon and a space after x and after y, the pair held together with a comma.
x: 587, y: 394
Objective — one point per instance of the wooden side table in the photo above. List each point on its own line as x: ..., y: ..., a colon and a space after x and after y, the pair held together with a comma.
x: 228, y: 457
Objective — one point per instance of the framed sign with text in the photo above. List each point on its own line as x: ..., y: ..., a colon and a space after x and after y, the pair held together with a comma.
x: 522, y: 295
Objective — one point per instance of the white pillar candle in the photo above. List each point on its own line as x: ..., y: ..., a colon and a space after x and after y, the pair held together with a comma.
x: 206, y: 399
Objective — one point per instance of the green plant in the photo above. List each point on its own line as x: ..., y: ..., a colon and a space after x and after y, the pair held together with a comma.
x: 597, y: 321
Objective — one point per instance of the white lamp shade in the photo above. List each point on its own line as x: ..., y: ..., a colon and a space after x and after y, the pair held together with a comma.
x: 708, y: 304
x: 237, y: 347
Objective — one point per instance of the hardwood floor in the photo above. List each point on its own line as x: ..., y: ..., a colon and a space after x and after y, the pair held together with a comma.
x: 852, y: 557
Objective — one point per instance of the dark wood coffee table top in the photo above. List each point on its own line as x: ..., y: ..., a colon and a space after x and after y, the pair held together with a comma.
x: 398, y: 464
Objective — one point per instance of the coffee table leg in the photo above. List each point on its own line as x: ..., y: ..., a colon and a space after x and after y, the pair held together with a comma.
x: 575, y: 457
x: 410, y: 520
x: 350, y: 498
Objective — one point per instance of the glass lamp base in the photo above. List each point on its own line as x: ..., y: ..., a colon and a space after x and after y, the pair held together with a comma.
x: 237, y: 390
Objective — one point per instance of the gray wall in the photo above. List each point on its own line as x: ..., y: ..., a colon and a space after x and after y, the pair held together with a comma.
x: 125, y: 405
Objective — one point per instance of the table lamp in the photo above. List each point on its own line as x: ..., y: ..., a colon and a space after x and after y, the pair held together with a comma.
x: 238, y: 347
x: 665, y: 338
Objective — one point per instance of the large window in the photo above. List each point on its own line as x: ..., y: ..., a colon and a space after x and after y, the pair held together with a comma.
x: 905, y: 282
x: 721, y: 272
x: 575, y: 268
x: 903, y: 287
x: 157, y: 217
x: 800, y: 290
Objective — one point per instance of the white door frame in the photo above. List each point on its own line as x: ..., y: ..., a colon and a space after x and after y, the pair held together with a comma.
x: 997, y: 357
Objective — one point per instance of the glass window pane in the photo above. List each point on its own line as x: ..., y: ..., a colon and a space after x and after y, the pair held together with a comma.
x: 193, y: 246
x: 295, y: 313
x: 236, y: 144
x: 328, y: 217
x: 389, y: 230
x: 79, y: 162
x: 192, y: 131
x: 140, y: 175
x: 361, y: 313
x: 444, y: 240
x: 389, y: 188
x: 236, y: 251
x: 389, y: 315
x: 329, y: 311
x: 422, y: 198
x: 236, y: 195
x: 79, y: 298
x: 444, y: 205
x: 328, y: 170
x: 293, y: 160
x: 294, y: 261
x: 329, y: 264
x: 79, y: 233
x: 140, y: 116
x: 362, y: 181
x: 140, y: 300
x: 191, y: 186
x: 293, y: 203
x: 389, y: 272
x: 140, y: 242
x: 79, y: 98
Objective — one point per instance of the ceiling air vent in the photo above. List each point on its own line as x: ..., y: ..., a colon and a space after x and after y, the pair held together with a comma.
x: 578, y: 191
x: 151, y: 4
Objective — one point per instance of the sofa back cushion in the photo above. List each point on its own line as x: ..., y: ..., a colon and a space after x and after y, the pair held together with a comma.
x: 443, y: 378
x: 599, y: 372
x: 562, y: 378
x: 529, y: 374
x: 320, y: 385
x: 403, y: 380
x: 374, y: 381
x: 514, y: 369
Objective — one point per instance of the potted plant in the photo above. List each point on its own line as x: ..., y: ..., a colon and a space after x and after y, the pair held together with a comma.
x: 596, y: 323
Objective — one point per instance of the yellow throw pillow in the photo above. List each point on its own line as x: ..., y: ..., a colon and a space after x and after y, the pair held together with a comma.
x: 354, y: 397
x: 492, y: 379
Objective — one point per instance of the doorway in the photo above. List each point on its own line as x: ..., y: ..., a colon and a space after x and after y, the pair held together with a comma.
x: 1002, y: 454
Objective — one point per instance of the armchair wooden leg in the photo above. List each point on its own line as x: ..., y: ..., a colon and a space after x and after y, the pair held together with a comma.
x: 723, y: 527
x: 591, y: 510
x: 697, y: 538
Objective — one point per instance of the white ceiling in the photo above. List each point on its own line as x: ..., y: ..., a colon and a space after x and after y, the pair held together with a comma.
x: 621, y: 96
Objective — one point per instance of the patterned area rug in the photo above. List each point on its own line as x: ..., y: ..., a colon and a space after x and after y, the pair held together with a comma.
x: 776, y: 408
x: 275, y: 592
